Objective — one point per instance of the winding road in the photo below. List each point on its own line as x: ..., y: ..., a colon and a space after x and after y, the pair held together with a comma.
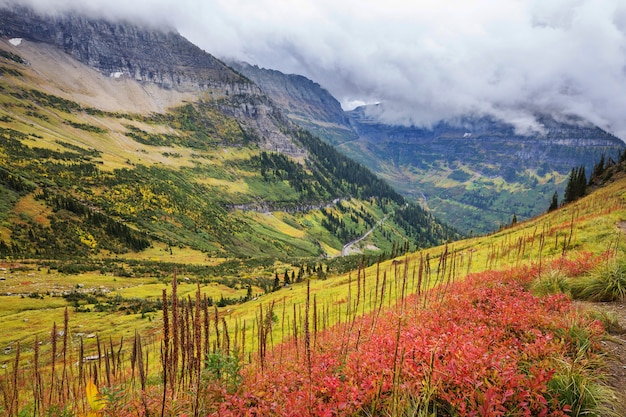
x: 347, y: 246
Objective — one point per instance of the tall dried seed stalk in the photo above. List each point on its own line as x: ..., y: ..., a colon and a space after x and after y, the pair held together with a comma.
x: 307, y: 332
x: 37, y: 386
x: 53, y: 342
x: 358, y: 284
x: 314, y: 320
x: 197, y: 326
x: 14, y: 403
x: 99, y: 354
x: 165, y: 349
x: 226, y: 342
x: 175, y: 340
x: 217, y: 328
x: 66, y: 320
x: 207, y: 325
x: 307, y: 343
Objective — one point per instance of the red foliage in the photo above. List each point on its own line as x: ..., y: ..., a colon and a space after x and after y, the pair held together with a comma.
x: 584, y: 262
x: 486, y: 349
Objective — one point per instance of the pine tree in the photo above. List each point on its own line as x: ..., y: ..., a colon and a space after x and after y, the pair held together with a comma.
x: 276, y: 283
x: 598, y: 168
x: 568, y: 197
x: 581, y: 183
x: 576, y: 185
x: 555, y: 202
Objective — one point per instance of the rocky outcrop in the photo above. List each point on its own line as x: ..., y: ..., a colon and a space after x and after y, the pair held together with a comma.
x: 122, y: 49
x: 304, y: 102
x: 157, y: 56
x: 484, y: 143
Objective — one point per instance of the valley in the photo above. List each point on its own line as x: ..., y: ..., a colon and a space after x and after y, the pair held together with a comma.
x: 476, y: 172
x: 183, y: 237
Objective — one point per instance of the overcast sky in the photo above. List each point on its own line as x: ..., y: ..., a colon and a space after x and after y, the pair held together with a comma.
x: 426, y: 60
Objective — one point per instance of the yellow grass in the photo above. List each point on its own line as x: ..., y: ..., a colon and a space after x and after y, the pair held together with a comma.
x: 34, y: 209
x: 593, y: 220
x: 238, y: 186
x: 160, y: 252
x: 276, y: 222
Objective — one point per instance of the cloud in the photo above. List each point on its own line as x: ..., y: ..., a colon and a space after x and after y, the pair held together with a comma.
x: 426, y: 60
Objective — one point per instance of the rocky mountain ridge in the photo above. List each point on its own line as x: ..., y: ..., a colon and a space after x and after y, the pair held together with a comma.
x: 559, y: 145
x: 475, y: 172
x: 303, y: 101
x: 94, y: 165
x: 162, y: 57
x: 123, y: 49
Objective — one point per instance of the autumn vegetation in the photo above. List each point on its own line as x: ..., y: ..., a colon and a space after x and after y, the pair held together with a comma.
x: 479, y: 327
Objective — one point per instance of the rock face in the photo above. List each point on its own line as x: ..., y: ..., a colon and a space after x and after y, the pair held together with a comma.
x: 303, y: 101
x: 487, y: 145
x: 121, y: 49
x: 156, y: 56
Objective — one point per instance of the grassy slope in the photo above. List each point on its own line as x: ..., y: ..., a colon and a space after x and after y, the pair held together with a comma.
x: 172, y: 175
x: 587, y: 225
x: 591, y: 223
x: 472, y: 197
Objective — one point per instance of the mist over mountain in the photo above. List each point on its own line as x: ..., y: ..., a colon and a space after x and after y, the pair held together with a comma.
x: 427, y: 61
x: 475, y: 172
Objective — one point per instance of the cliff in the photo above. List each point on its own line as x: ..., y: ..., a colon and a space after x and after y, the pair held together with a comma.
x: 154, y: 56
x: 303, y: 101
x: 123, y: 49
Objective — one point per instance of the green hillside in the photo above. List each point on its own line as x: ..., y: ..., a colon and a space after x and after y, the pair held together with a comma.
x: 78, y: 181
x: 450, y: 329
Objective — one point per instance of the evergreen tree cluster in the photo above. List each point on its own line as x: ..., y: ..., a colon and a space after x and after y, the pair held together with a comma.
x: 278, y: 167
x: 338, y: 172
x: 598, y: 169
x: 15, y: 182
x: 577, y: 182
x: 576, y: 185
x: 421, y: 227
x: 113, y: 228
x: 337, y: 227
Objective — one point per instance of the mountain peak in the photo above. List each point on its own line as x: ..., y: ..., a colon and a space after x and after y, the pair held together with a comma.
x: 120, y: 48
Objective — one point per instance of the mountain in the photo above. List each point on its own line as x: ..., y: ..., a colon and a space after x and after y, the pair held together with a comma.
x: 122, y: 140
x: 475, y: 173
x: 303, y: 101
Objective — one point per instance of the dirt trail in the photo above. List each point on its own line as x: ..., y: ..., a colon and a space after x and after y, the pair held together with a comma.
x: 615, y: 348
x: 615, y: 345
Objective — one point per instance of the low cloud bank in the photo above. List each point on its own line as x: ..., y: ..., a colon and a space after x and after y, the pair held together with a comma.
x: 428, y: 61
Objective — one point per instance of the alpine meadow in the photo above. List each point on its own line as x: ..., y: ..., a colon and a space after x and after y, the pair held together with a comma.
x: 182, y: 235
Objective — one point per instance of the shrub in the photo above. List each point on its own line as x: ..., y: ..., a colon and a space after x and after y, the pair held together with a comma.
x: 551, y: 281
x: 223, y: 368
x: 575, y: 385
x: 606, y: 283
x: 609, y: 320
